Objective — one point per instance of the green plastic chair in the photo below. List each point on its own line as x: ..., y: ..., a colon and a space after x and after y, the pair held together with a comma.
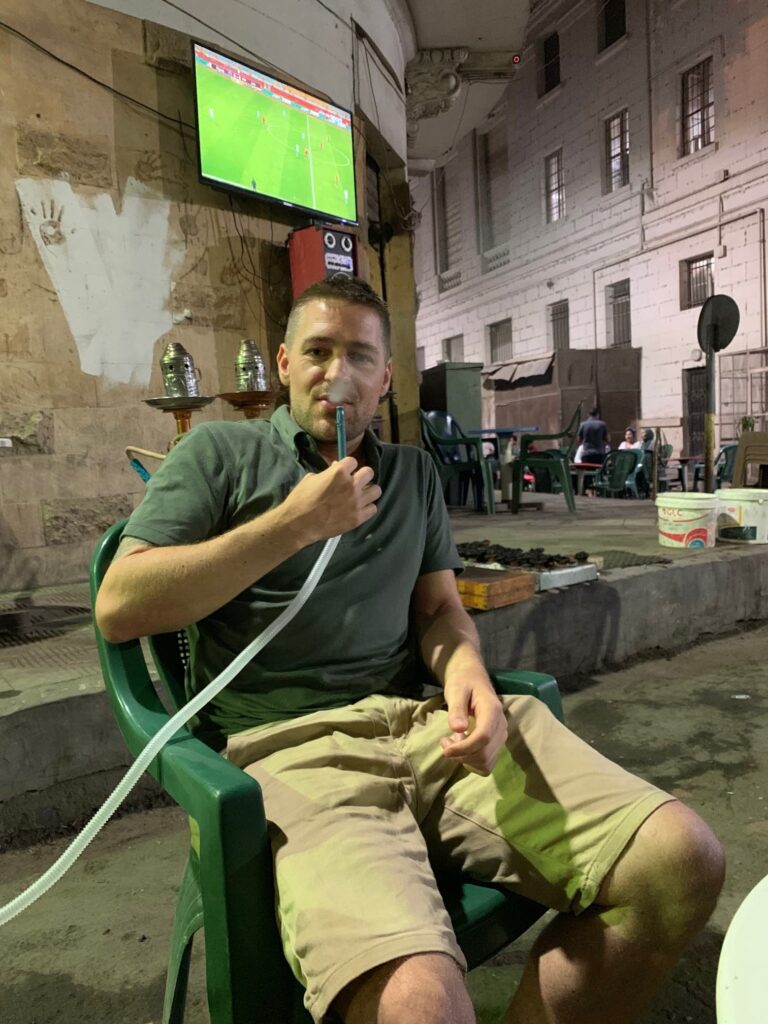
x: 724, y: 466
x: 227, y: 888
x: 555, y: 462
x: 618, y: 474
x: 457, y: 455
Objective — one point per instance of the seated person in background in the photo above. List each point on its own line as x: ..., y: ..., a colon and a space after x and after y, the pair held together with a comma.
x: 647, y: 440
x: 593, y: 434
x: 579, y: 455
x: 366, y: 780
x: 630, y: 440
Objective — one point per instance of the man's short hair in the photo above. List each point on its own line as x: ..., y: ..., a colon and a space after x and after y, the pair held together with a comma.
x: 341, y: 288
x: 594, y: 412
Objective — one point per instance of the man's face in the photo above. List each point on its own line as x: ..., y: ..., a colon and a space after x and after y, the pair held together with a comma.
x: 336, y: 347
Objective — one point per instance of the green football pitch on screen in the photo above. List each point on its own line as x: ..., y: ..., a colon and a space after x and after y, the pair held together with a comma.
x: 258, y: 143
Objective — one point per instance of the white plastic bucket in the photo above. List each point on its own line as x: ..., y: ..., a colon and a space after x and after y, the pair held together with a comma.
x: 743, y: 515
x: 687, y: 520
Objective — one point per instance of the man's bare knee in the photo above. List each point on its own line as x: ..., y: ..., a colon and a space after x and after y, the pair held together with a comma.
x: 425, y: 988
x: 670, y: 875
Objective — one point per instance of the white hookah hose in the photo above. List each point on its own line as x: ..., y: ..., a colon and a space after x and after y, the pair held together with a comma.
x: 158, y: 741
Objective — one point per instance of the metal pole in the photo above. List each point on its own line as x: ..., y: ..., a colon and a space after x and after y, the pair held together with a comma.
x: 709, y: 416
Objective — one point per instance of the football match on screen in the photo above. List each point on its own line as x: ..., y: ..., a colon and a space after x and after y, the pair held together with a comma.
x: 263, y: 136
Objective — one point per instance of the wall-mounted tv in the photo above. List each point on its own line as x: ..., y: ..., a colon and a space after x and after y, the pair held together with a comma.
x: 266, y: 138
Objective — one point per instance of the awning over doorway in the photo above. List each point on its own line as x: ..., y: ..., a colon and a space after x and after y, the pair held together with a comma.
x: 512, y: 374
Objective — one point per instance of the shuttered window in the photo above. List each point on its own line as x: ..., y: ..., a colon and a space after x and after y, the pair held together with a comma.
x: 453, y: 349
x: 500, y: 335
x: 619, y: 314
x: 448, y: 216
x: 559, y: 325
x: 493, y: 186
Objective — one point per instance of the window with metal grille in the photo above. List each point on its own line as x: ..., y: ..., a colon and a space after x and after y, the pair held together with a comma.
x: 612, y: 23
x: 493, y: 186
x: 453, y: 349
x: 500, y: 336
x: 617, y: 151
x: 559, y: 327
x: 698, y: 107
x: 743, y: 378
x: 448, y: 216
x: 549, y: 63
x: 619, y: 317
x: 553, y: 183
x: 697, y: 281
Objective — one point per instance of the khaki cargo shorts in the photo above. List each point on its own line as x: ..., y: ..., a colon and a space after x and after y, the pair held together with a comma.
x: 361, y: 801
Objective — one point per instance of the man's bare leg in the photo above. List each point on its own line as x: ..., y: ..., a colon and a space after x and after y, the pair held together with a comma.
x: 427, y: 988
x: 605, y: 966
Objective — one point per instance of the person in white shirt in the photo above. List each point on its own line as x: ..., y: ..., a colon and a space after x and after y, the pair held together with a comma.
x: 630, y: 440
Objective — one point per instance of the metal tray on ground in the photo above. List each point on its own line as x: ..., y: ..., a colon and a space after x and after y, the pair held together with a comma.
x: 549, y: 579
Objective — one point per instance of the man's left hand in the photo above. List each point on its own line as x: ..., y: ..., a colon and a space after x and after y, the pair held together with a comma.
x: 477, y: 722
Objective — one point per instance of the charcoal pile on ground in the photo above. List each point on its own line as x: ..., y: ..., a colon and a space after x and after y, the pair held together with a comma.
x: 485, y: 553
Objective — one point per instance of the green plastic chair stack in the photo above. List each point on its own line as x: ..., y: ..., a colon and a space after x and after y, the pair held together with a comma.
x: 457, y: 455
x: 227, y: 888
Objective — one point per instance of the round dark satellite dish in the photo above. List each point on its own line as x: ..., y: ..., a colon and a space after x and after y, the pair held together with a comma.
x: 718, y: 323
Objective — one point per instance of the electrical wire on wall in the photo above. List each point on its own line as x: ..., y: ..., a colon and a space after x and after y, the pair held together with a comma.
x: 174, y: 119
x: 241, y: 267
x: 240, y: 46
x: 244, y: 265
x: 180, y: 124
x: 409, y: 218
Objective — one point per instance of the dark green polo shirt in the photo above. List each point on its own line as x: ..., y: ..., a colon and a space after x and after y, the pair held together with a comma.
x: 351, y: 638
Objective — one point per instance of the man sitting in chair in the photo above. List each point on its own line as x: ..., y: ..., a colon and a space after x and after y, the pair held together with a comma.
x: 366, y: 780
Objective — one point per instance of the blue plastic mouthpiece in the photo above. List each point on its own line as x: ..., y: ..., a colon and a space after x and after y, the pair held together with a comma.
x: 341, y: 432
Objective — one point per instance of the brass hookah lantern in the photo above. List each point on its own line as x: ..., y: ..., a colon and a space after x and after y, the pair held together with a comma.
x: 253, y: 394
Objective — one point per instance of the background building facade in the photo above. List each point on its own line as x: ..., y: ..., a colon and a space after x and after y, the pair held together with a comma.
x: 621, y: 181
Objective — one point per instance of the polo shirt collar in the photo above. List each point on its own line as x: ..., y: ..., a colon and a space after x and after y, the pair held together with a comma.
x: 300, y: 442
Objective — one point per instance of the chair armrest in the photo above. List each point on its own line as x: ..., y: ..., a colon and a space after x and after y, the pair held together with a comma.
x: 471, y: 444
x: 200, y: 780
x: 543, y: 437
x: 527, y: 439
x: 511, y: 682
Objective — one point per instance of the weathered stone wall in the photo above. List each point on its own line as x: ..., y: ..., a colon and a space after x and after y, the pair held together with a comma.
x: 109, y: 248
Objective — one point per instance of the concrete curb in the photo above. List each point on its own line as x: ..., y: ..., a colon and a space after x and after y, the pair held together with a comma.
x: 629, y: 613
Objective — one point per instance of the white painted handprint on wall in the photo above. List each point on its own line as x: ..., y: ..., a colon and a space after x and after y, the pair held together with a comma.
x: 111, y: 271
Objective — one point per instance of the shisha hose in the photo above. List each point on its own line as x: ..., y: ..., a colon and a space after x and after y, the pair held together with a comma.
x: 158, y: 741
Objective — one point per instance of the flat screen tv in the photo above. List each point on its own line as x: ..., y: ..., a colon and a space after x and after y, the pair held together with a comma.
x: 260, y: 136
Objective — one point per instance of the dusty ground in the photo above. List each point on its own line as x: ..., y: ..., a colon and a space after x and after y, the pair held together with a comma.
x: 93, y: 949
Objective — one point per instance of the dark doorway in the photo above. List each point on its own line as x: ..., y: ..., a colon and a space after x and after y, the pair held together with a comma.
x: 694, y: 409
